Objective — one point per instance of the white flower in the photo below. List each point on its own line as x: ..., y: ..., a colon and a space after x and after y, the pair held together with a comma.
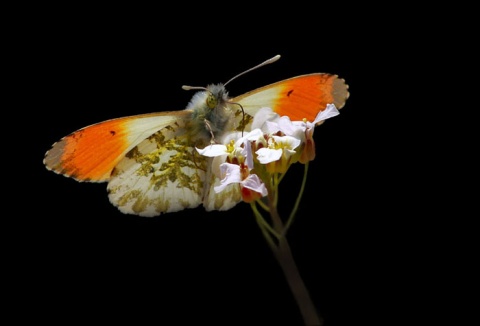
x: 262, y: 116
x: 278, y: 146
x: 329, y: 112
x: 273, y: 141
x: 232, y: 174
x: 213, y: 150
x: 268, y: 155
x: 254, y: 183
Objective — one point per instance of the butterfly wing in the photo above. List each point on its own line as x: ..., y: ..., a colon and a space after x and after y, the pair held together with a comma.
x: 224, y: 200
x: 298, y: 97
x: 163, y: 173
x: 150, y: 161
x: 91, y: 153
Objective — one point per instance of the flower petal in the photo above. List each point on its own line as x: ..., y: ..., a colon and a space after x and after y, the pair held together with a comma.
x: 248, y: 154
x: 287, y: 142
x: 263, y: 115
x: 329, y: 112
x: 267, y: 155
x: 213, y: 150
x: 230, y: 174
x: 289, y: 128
x: 270, y: 127
x: 254, y: 183
x: 254, y: 135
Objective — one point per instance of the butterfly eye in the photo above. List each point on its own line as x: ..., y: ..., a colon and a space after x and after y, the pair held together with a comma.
x: 211, y: 101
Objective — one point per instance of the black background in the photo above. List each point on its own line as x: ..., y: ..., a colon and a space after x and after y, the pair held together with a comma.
x: 86, y: 261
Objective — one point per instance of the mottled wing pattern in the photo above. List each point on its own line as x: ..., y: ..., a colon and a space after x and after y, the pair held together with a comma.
x: 161, y: 174
x: 224, y: 200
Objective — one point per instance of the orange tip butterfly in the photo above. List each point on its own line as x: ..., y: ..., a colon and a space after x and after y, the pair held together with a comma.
x: 150, y: 161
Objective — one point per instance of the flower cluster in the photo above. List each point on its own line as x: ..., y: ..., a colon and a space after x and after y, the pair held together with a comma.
x: 272, y: 145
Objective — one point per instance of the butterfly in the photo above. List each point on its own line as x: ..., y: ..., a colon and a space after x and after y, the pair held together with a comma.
x: 149, y: 161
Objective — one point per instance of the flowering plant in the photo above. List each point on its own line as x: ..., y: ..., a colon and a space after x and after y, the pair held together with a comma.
x: 258, y: 161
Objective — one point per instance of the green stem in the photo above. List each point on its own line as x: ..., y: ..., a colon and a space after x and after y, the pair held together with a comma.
x: 261, y: 221
x: 284, y: 257
x: 281, y: 248
x: 297, y: 286
x: 263, y: 205
x: 297, y: 202
x: 275, y: 186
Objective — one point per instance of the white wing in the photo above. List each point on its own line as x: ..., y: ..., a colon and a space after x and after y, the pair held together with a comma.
x: 162, y: 174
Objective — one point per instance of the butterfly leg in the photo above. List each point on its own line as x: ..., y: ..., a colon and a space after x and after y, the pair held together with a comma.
x: 209, y: 128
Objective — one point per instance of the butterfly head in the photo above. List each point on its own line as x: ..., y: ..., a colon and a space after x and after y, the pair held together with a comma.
x: 216, y: 95
x: 211, y: 112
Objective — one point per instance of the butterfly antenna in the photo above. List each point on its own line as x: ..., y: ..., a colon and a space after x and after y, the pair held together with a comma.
x: 271, y: 60
x: 187, y: 88
x: 266, y: 62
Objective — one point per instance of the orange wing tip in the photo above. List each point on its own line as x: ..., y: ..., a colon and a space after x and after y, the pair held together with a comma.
x: 304, y: 96
x: 340, y: 92
x: 88, y: 154
x: 57, y: 160
x: 52, y: 159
